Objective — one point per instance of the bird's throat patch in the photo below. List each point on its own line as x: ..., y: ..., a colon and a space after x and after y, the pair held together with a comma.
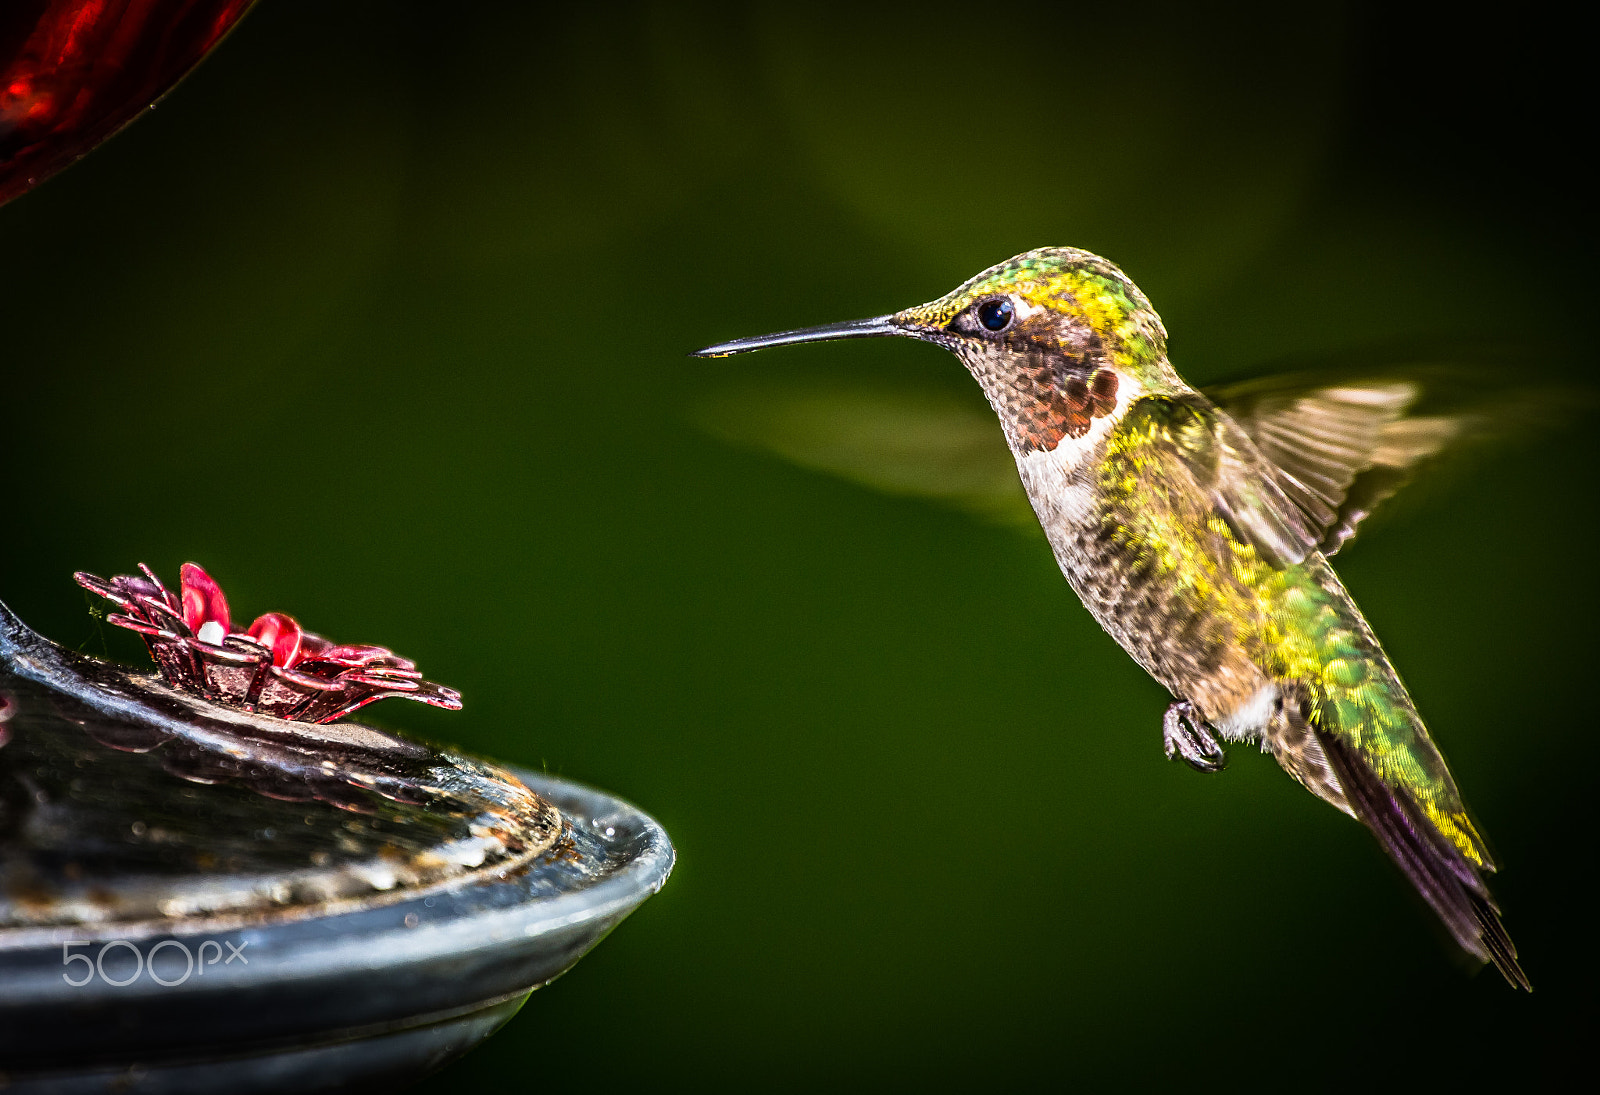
x: 1061, y: 406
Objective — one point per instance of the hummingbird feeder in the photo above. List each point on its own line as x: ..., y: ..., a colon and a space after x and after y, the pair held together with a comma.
x: 207, y: 881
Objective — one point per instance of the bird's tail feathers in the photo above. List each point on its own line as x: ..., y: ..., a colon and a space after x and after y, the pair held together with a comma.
x: 1445, y: 878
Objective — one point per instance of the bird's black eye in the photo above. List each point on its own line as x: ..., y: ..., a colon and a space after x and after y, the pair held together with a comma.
x: 996, y: 315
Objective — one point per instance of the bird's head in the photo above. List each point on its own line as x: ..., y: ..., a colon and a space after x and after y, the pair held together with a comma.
x: 1053, y: 336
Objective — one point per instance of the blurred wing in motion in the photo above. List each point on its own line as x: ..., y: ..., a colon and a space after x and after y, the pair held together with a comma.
x: 916, y: 443
x: 1337, y: 450
x: 1341, y: 447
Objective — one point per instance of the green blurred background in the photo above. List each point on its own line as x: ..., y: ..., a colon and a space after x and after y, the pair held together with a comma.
x: 382, y: 316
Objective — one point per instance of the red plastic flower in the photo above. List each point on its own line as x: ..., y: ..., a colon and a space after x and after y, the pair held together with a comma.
x: 274, y: 667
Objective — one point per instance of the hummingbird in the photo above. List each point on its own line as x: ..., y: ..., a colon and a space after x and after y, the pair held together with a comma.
x: 1196, y: 528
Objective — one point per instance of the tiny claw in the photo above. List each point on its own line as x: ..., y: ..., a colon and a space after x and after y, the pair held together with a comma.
x: 1184, y: 733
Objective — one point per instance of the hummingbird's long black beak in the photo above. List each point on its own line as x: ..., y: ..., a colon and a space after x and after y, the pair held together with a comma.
x: 875, y: 327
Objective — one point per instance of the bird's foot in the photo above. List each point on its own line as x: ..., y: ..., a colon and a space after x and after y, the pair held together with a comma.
x: 1184, y: 733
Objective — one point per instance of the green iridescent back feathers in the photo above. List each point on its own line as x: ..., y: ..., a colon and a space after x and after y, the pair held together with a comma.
x: 1295, y: 622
